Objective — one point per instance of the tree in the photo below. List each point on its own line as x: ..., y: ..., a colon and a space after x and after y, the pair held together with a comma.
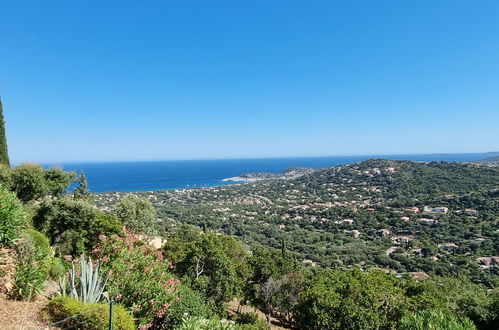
x: 137, y: 214
x: 4, y: 154
x: 74, y: 225
x: 28, y: 181
x: 213, y: 264
x: 57, y: 181
x: 82, y: 192
x: 351, y: 300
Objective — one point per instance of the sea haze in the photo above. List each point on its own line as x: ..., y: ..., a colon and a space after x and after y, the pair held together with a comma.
x: 180, y: 174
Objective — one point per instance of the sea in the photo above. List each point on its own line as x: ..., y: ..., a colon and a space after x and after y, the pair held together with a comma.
x: 185, y: 174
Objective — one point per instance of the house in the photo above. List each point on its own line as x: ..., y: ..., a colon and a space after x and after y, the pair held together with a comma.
x: 487, y: 262
x: 398, y: 240
x: 471, y: 212
x: 419, y: 276
x: 448, y: 247
x: 436, y: 210
x: 411, y: 210
x: 405, y: 218
x: 346, y: 222
x: 427, y: 222
x: 384, y: 232
x: 355, y: 233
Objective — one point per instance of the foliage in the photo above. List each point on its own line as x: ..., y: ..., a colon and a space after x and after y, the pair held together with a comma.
x: 86, y: 284
x: 434, y: 320
x: 88, y: 316
x: 457, y: 295
x: 73, y: 225
x: 137, y: 214
x: 57, y: 181
x: 33, y: 261
x: 199, y: 323
x: 351, y: 300
x: 29, y: 182
x: 5, y: 176
x: 28, y: 281
x: 4, y: 154
x: 81, y: 191
x: 190, y: 303
x: 11, y: 217
x: 139, y: 277
x: 213, y: 264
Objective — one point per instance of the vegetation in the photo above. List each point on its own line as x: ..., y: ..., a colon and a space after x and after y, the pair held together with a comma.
x: 93, y: 316
x: 11, y: 217
x: 4, y: 155
x: 86, y: 284
x: 374, y: 245
x: 137, y: 214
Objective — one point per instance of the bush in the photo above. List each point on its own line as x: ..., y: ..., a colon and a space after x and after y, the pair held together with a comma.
x: 33, y: 264
x: 351, y: 300
x: 139, y: 277
x: 191, y: 303
x: 434, y: 320
x: 58, y: 268
x: 92, y: 316
x: 28, y: 281
x: 28, y: 181
x: 73, y: 225
x: 137, y: 214
x: 199, y: 323
x: 5, y: 176
x: 11, y: 217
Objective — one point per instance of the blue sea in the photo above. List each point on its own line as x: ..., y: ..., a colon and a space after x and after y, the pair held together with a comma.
x: 180, y: 174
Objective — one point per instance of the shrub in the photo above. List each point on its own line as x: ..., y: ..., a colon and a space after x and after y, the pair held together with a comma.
x: 139, y: 277
x: 351, y: 300
x: 33, y: 263
x: 5, y: 176
x: 199, y: 323
x: 73, y: 225
x: 58, y: 268
x: 137, y: 214
x: 28, y: 181
x: 434, y: 320
x: 191, y: 303
x: 91, y: 316
x: 11, y: 217
x: 28, y: 281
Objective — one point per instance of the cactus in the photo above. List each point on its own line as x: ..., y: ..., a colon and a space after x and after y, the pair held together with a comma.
x: 87, y: 286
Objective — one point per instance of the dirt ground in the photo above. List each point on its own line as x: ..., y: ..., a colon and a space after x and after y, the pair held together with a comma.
x: 232, y: 310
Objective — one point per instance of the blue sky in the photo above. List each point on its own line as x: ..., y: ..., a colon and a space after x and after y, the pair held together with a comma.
x: 132, y: 80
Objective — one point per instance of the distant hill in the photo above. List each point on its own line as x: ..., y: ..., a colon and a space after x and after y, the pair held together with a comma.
x: 491, y: 160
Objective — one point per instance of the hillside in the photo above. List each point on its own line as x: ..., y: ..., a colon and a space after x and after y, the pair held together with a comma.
x: 354, y: 214
x: 491, y: 160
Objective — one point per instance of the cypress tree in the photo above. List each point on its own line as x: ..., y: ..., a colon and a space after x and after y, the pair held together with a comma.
x: 4, y: 155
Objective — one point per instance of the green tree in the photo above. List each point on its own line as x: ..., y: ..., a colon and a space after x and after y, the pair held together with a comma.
x: 212, y: 264
x: 4, y: 154
x: 57, y: 181
x: 351, y: 300
x: 82, y: 192
x: 73, y: 225
x: 137, y: 214
x: 28, y: 181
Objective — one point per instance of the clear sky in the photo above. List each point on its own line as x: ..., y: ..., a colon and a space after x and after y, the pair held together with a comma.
x: 131, y: 80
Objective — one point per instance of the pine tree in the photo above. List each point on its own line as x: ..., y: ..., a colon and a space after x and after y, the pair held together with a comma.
x: 82, y: 192
x: 4, y: 155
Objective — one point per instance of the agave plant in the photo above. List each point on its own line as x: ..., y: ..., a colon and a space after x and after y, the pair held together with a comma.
x: 87, y: 285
